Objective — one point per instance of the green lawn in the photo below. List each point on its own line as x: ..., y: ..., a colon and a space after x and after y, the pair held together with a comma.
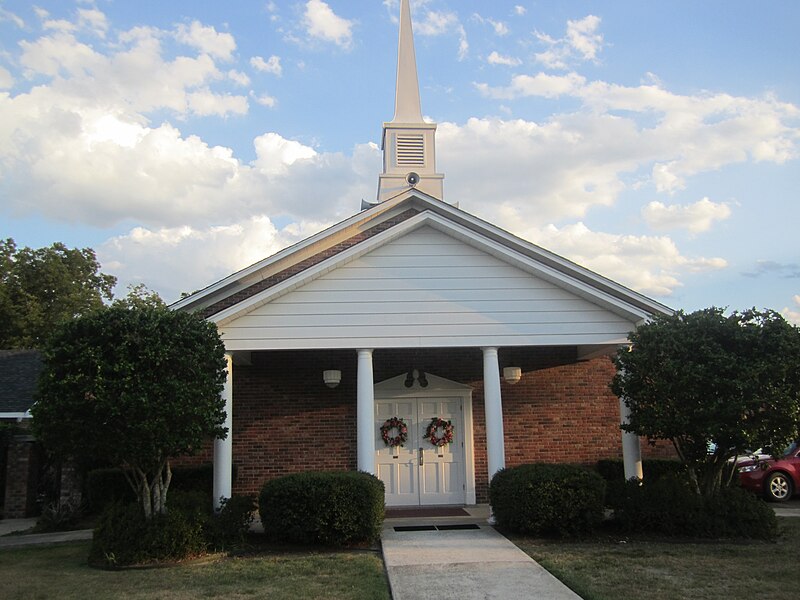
x: 62, y: 572
x: 605, y: 568
x: 639, y: 569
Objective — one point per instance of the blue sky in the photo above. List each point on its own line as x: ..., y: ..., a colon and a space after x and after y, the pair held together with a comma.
x: 654, y: 142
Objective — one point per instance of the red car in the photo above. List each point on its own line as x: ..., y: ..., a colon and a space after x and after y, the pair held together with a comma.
x: 777, y: 479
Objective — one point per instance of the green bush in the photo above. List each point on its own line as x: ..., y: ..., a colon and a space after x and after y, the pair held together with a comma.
x: 613, y: 471
x: 222, y: 530
x: 563, y: 500
x: 190, y: 527
x: 331, y: 508
x: 106, y: 486
x: 229, y: 527
x: 671, y: 507
x: 124, y: 537
x: 60, y: 515
x: 653, y: 469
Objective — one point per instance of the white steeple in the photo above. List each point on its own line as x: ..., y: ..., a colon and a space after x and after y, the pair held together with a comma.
x: 409, y: 152
x: 407, y: 106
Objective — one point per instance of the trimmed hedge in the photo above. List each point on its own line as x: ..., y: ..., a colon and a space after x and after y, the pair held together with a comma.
x: 329, y: 508
x: 653, y: 469
x: 190, y: 527
x: 123, y: 537
x: 613, y: 471
x: 107, y: 486
x: 671, y: 507
x: 562, y: 500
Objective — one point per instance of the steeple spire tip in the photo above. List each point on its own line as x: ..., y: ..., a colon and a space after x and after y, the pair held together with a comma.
x: 407, y: 106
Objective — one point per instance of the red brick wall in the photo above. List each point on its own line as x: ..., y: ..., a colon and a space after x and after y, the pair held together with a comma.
x: 286, y: 420
x: 22, y: 471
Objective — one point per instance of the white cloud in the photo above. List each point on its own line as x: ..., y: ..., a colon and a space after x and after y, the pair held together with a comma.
x: 693, y: 133
x: 134, y: 76
x: 6, y: 79
x: 205, y: 103
x: 189, y: 257
x: 436, y: 23
x: 696, y: 218
x: 93, y: 19
x: 239, y: 78
x: 264, y: 100
x: 541, y: 84
x: 276, y: 154
x: 583, y: 36
x: 273, y: 65
x: 520, y: 10
x: 323, y: 24
x: 793, y: 314
x: 59, y: 54
x: 207, y: 39
x: 580, y: 43
x: 651, y: 265
x: 499, y: 27
x: 497, y: 59
x: 537, y: 173
x: 7, y: 15
x: 60, y: 25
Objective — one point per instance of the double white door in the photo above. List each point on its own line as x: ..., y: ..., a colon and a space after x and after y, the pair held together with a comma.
x: 419, y: 473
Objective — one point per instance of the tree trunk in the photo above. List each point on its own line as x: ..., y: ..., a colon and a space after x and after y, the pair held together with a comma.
x: 151, y: 493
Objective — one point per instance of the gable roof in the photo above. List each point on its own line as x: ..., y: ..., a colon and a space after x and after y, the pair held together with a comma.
x: 292, y: 267
x: 19, y: 376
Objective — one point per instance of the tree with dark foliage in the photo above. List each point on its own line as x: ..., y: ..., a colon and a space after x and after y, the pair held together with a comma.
x: 135, y: 385
x: 716, y: 386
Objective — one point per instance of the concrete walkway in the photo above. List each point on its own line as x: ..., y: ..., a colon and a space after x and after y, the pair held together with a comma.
x: 466, y: 564
x: 18, y: 541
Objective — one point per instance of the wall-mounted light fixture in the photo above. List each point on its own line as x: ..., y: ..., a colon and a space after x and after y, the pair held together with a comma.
x: 332, y: 378
x: 415, y: 375
x: 512, y: 374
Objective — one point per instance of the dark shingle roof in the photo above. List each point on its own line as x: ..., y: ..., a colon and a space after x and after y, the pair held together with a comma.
x: 19, y: 373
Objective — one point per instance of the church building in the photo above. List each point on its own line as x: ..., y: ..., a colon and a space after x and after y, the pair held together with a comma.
x: 417, y: 342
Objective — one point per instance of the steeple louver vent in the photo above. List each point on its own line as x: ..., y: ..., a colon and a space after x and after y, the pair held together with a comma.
x: 410, y: 150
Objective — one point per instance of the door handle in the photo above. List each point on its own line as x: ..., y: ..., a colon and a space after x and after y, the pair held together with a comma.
x: 421, y: 457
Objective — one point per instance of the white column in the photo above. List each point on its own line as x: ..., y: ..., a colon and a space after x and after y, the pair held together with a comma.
x: 223, y: 448
x: 365, y: 413
x: 631, y: 449
x: 493, y: 407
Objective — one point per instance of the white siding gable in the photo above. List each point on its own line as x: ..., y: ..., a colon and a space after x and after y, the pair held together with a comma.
x: 425, y: 288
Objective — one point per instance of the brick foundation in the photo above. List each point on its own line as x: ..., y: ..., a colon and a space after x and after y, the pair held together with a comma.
x: 286, y: 420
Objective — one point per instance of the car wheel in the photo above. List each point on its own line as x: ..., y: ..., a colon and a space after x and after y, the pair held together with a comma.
x: 778, y: 487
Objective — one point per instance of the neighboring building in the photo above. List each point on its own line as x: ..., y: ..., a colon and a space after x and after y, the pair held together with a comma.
x: 20, y: 454
x: 415, y: 309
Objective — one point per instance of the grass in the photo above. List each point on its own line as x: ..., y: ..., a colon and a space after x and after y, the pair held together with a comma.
x: 61, y: 572
x: 639, y: 569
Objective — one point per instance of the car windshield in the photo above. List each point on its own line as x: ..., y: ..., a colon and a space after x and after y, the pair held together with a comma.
x: 791, y: 449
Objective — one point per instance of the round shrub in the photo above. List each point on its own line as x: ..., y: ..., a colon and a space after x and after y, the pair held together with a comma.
x: 222, y: 529
x: 613, y: 471
x: 330, y: 508
x: 667, y: 506
x: 124, y: 537
x: 671, y: 507
x: 561, y: 500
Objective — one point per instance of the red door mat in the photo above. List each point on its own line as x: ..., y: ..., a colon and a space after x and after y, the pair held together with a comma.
x: 434, y: 511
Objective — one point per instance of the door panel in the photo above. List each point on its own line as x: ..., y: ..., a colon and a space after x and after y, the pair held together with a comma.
x: 397, y: 467
x: 419, y: 473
